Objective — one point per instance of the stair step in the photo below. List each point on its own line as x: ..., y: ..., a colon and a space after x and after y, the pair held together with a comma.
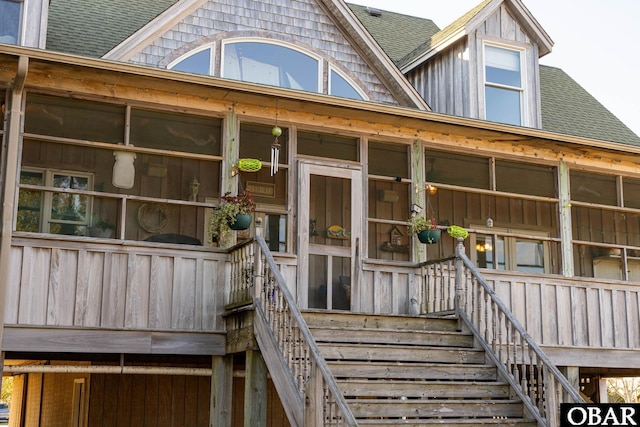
x: 392, y: 336
x: 424, y: 389
x: 410, y: 408
x: 321, y: 318
x: 379, y: 352
x: 499, y: 422
x: 409, y: 371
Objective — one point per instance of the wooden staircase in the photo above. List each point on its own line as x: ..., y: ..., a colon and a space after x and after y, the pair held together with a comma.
x: 413, y: 371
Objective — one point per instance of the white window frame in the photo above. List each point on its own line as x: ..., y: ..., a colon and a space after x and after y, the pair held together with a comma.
x: 524, y: 113
x: 317, y: 58
x: 510, y: 236
x: 348, y: 80
x: 209, y: 46
x: 47, y: 196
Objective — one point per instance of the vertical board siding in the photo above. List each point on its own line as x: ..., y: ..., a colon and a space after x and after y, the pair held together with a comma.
x: 109, y: 287
x: 566, y: 312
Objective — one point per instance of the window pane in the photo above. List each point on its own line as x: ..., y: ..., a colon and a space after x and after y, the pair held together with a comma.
x: 29, y: 203
x: 631, y: 192
x: 484, y: 251
x: 256, y: 140
x: 270, y: 64
x: 503, y: 105
x: 341, y: 87
x: 529, y: 256
x: 9, y: 21
x: 275, y: 232
x: 593, y: 188
x: 388, y: 159
x: 388, y: 200
x: 502, y: 66
x: 326, y: 145
x: 198, y: 63
x: 457, y: 169
x: 176, y: 132
x: 73, y: 118
x: 524, y: 178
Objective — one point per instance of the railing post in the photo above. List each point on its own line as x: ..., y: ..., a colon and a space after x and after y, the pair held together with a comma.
x: 258, y: 274
x: 314, y: 398
x: 459, y: 277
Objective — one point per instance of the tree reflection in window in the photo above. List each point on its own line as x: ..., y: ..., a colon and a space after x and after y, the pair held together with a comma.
x: 30, y: 203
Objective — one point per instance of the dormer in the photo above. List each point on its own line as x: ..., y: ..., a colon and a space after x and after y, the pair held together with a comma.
x: 484, y: 65
x: 24, y: 23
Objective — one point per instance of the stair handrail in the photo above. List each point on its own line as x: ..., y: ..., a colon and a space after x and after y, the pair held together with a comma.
x: 484, y: 313
x: 274, y: 304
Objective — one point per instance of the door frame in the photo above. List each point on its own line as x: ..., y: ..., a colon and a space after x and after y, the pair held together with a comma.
x: 306, y: 168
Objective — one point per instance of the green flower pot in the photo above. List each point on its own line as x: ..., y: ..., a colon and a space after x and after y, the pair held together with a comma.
x: 429, y: 236
x: 243, y: 221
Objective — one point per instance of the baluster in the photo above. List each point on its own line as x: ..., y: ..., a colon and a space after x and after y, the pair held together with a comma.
x: 532, y: 378
x: 516, y: 369
x: 500, y: 336
x: 525, y: 364
x: 494, y: 325
x: 487, y: 325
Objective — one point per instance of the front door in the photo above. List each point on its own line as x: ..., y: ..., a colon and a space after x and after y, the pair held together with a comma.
x: 329, y: 226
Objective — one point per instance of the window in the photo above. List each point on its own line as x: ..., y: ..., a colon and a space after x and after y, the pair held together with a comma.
x: 504, y: 249
x: 503, y: 85
x: 340, y: 86
x: 10, y: 21
x: 271, y: 64
x: 53, y: 212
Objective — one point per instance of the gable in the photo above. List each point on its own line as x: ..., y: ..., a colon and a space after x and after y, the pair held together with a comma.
x: 310, y: 25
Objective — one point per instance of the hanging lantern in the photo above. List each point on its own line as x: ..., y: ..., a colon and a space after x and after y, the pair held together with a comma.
x: 275, y: 149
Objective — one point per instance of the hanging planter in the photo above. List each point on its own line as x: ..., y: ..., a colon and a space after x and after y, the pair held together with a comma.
x: 231, y: 214
x: 429, y: 236
x: 240, y: 222
x: 426, y: 230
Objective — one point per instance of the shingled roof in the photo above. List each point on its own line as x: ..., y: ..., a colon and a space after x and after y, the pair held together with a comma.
x: 567, y: 108
x: 93, y: 27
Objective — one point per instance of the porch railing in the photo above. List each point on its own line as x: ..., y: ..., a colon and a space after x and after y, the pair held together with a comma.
x: 308, y: 390
x: 454, y: 284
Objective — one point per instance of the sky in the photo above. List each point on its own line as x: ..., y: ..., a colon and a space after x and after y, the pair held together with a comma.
x: 595, y: 43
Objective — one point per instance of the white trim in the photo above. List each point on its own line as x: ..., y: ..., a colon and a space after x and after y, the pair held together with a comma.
x: 152, y: 30
x: 210, y: 46
x: 524, y: 91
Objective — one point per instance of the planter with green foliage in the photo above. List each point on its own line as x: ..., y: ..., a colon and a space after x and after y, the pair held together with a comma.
x: 233, y: 213
x: 426, y: 229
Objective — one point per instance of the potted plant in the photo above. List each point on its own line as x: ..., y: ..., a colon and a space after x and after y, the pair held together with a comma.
x: 233, y: 213
x: 101, y: 228
x: 426, y: 229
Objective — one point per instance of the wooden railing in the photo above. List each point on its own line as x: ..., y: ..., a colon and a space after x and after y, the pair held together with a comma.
x: 533, y: 376
x: 305, y: 385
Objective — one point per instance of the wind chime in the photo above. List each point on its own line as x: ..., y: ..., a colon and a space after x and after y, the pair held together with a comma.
x: 275, y: 147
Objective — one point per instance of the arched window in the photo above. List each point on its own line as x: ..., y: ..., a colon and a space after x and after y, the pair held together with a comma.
x: 270, y: 63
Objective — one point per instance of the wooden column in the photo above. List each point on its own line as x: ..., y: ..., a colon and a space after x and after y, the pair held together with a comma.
x: 572, y: 373
x: 417, y: 175
x: 221, y: 391
x: 255, y: 390
x: 10, y: 170
x: 565, y: 220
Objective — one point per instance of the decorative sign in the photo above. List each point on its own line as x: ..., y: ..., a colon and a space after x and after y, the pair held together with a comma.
x: 262, y: 189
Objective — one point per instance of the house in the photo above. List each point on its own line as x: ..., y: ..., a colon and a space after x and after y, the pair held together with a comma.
x: 124, y: 124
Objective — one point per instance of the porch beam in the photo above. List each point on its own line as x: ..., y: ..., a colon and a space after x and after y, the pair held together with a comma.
x: 10, y: 170
x: 221, y: 391
x: 255, y: 390
x: 565, y: 220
